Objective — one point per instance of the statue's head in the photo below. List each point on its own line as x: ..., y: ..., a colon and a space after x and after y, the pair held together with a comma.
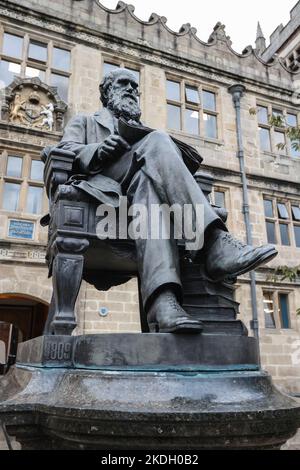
x: 119, y: 93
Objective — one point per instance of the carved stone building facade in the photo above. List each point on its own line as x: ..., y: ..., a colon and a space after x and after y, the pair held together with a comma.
x: 52, y: 58
x: 285, y: 42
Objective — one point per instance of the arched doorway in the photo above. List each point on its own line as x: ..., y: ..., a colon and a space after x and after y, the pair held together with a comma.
x: 26, y: 313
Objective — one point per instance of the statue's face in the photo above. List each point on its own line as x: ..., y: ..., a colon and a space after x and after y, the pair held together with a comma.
x: 123, y: 95
x: 124, y: 87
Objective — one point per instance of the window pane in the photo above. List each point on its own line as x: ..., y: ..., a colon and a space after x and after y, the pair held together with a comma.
x: 284, y: 311
x: 280, y: 140
x: 291, y: 120
x: 219, y: 199
x: 296, y: 212
x: 262, y: 115
x: 284, y: 234
x: 297, y: 235
x: 191, y: 123
x: 14, y: 167
x: 11, y: 196
x: 269, y: 310
x: 62, y: 84
x: 282, y: 211
x: 107, y: 67
x: 37, y: 51
x: 277, y: 112
x: 271, y: 232
x: 61, y: 59
x: 210, y: 126
x: 34, y: 200
x: 8, y: 70
x: 264, y: 135
x: 268, y: 205
x: 12, y: 45
x: 135, y: 73
x: 173, y: 117
x: 295, y: 152
x: 37, y: 170
x: 192, y: 94
x: 209, y: 100
x: 31, y: 72
x: 173, y: 90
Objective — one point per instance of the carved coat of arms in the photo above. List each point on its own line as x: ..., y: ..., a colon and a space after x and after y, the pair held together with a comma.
x: 34, y: 104
x: 32, y: 108
x: 31, y: 111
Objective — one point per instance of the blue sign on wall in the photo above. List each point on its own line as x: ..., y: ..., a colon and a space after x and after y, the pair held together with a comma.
x: 21, y: 229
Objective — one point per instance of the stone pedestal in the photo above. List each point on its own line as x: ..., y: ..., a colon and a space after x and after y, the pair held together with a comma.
x: 144, y: 391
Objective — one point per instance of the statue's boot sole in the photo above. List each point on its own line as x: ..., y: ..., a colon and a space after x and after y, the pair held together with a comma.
x: 265, y: 258
x: 184, y: 327
x: 261, y: 260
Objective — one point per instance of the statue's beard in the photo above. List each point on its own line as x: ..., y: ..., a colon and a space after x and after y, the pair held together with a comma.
x: 125, y: 107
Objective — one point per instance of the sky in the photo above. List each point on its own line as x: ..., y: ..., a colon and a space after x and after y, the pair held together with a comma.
x: 239, y: 16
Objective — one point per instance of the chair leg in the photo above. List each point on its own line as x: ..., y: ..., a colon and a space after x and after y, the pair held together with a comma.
x: 67, y: 276
x: 143, y: 316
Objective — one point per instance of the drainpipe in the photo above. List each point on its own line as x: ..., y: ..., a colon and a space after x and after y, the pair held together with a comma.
x: 237, y: 91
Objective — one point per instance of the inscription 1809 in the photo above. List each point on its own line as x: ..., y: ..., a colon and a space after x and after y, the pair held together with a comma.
x: 58, y: 351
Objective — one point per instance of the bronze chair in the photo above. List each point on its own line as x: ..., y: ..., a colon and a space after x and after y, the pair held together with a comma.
x: 74, y: 252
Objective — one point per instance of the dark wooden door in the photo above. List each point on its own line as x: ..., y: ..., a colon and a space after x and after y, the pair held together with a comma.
x: 29, y: 319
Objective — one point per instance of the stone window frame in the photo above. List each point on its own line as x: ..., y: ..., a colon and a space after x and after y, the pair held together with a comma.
x: 226, y: 190
x: 277, y: 220
x: 292, y: 61
x: 24, y: 61
x: 121, y: 62
x: 286, y: 152
x: 275, y: 293
x: 25, y: 182
x: 183, y: 104
x: 219, y: 189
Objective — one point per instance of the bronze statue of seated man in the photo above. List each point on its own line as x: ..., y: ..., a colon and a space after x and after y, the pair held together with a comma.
x: 152, y: 169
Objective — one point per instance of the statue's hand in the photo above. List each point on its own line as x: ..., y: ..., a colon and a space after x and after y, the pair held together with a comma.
x: 112, y: 147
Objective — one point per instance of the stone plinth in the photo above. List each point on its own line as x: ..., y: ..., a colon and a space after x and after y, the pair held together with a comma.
x: 144, y: 391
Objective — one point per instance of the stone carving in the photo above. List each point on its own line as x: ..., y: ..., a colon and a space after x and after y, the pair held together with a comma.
x: 30, y: 111
x: 219, y: 34
x: 17, y: 107
x: 30, y: 255
x: 48, y: 120
x: 31, y: 103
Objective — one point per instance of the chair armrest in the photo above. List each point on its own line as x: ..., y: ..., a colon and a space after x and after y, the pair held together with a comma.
x: 58, y: 168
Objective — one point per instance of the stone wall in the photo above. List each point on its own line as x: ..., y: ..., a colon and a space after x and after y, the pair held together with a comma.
x: 114, y: 311
x: 28, y: 280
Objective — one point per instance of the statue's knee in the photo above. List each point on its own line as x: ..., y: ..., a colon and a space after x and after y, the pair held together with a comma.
x: 162, y: 146
x: 160, y: 136
x: 160, y: 141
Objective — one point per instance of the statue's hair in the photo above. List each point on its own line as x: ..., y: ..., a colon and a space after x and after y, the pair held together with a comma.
x: 107, y: 81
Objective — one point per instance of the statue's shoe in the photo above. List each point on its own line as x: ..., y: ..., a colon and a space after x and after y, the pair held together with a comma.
x: 167, y: 316
x: 227, y: 257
